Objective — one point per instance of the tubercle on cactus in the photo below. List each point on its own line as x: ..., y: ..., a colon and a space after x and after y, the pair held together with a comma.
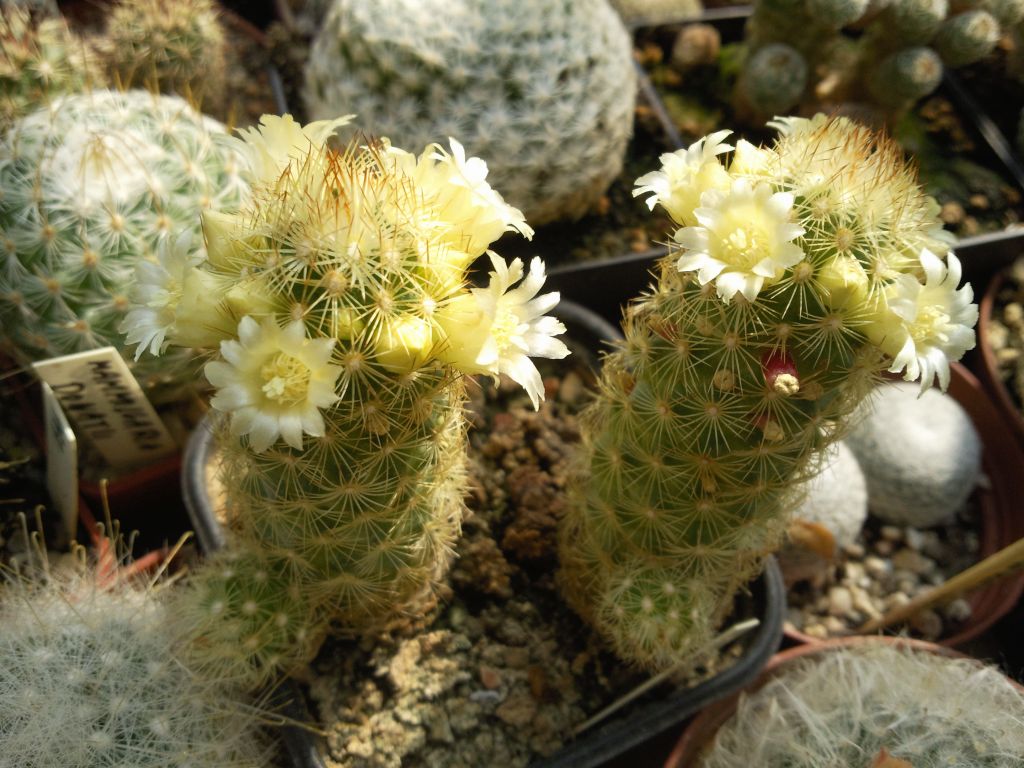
x: 799, y: 274
x: 341, y: 388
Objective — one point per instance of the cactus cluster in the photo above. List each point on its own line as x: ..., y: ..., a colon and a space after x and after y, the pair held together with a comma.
x: 798, y: 274
x: 653, y: 12
x: 544, y: 90
x: 40, y: 59
x: 897, y: 58
x: 171, y: 46
x: 92, y: 673
x: 876, y: 705
x: 94, y: 185
x: 337, y: 298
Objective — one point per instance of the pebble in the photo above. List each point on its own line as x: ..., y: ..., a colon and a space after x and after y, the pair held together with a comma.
x: 928, y: 623
x: 914, y: 539
x: 840, y: 601
x: 855, y: 550
x: 571, y: 389
x: 490, y: 677
x: 891, y: 533
x: 884, y: 547
x: 915, y: 562
x: 877, y: 568
x: 958, y: 610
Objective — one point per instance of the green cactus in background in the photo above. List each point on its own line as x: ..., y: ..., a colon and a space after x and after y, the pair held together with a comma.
x: 876, y: 705
x: 40, y: 59
x: 544, y: 90
x: 906, y: 76
x: 91, y: 674
x: 798, y: 274
x: 94, y: 185
x: 966, y: 37
x: 774, y: 79
x: 172, y: 46
x: 340, y: 381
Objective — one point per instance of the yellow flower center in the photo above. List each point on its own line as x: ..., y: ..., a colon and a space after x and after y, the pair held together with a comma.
x: 927, y: 324
x: 744, y: 240
x: 286, y: 379
x: 503, y: 327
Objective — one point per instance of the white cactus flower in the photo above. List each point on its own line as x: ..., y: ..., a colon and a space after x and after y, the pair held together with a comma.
x: 279, y: 140
x: 496, y: 330
x: 743, y: 240
x: 686, y: 174
x: 929, y: 324
x: 274, y: 382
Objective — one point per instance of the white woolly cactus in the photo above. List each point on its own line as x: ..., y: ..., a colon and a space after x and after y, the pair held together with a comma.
x: 836, y: 497
x: 545, y: 91
x: 92, y: 186
x: 862, y: 705
x: 344, y: 327
x: 920, y: 453
x: 92, y: 674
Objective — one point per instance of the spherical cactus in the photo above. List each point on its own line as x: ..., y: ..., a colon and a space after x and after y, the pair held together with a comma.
x: 93, y: 675
x: 836, y: 497
x: 905, y: 77
x: 876, y: 705
x: 836, y: 13
x: 40, y: 59
x: 920, y: 454
x: 774, y: 79
x: 92, y: 186
x: 1008, y: 13
x: 798, y: 274
x: 544, y: 91
x: 174, y: 46
x: 340, y: 384
x: 967, y: 37
x: 912, y: 22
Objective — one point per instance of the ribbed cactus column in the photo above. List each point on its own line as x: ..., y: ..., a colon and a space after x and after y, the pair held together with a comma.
x: 343, y: 437
x: 799, y: 274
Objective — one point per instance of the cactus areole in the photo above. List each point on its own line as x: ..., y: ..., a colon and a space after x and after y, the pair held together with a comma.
x: 798, y: 274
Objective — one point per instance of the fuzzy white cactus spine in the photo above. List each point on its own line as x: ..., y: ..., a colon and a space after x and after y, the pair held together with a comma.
x: 92, y: 674
x: 544, y: 91
x: 845, y: 706
x: 94, y: 185
x: 798, y: 274
x: 345, y: 328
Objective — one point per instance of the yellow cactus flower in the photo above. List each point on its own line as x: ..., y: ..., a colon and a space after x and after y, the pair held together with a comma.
x: 495, y: 330
x: 274, y: 381
x: 279, y: 141
x: 686, y: 174
x: 924, y: 326
x: 742, y: 241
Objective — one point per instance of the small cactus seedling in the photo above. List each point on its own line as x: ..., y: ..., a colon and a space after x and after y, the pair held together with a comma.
x: 544, y: 90
x: 876, y: 706
x: 798, y: 274
x: 94, y: 185
x: 40, y: 59
x: 172, y: 46
x: 92, y: 674
x: 341, y: 380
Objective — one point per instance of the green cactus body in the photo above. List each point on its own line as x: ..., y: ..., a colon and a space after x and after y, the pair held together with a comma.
x: 92, y: 675
x: 93, y: 186
x: 736, y: 374
x: 173, y: 46
x: 40, y: 59
x: 911, y: 22
x: 545, y: 91
x: 774, y: 79
x: 904, y: 77
x: 343, y: 458
x: 836, y: 13
x: 967, y: 37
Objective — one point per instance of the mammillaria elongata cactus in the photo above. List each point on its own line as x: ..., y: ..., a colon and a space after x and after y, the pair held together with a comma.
x: 798, y: 274
x: 93, y: 186
x: 544, y: 90
x: 341, y: 380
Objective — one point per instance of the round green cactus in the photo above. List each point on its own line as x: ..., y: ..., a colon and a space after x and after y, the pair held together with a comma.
x: 836, y: 13
x: 92, y: 674
x: 94, y: 185
x: 339, y: 381
x: 40, y: 59
x: 967, y: 37
x: 774, y: 79
x: 912, y: 22
x: 906, y: 76
x: 798, y: 274
x: 544, y: 91
x: 174, y: 46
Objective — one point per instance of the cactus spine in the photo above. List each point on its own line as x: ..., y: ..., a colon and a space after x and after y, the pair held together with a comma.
x: 544, y: 90
x: 789, y: 291
x: 93, y: 186
x: 344, y: 448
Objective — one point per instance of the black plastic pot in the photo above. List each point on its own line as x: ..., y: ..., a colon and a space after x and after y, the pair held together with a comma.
x: 654, y: 714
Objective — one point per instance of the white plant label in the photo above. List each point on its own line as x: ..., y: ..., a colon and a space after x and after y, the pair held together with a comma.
x: 61, y: 462
x: 107, y: 407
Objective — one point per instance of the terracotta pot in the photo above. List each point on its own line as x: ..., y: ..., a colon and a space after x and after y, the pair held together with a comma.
x: 700, y: 732
x: 1001, y: 522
